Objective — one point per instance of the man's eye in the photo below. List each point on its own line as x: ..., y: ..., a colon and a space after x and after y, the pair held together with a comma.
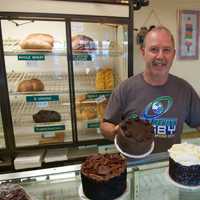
x: 154, y: 50
x: 167, y: 50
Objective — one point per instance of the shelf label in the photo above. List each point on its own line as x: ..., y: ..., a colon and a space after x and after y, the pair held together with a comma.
x: 31, y: 57
x: 42, y: 104
x: 42, y: 98
x: 82, y: 57
x: 49, y: 128
x: 93, y: 125
x: 97, y: 95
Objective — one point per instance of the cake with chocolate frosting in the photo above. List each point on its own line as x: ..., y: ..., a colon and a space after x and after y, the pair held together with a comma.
x: 135, y: 136
x: 184, y: 164
x: 104, y: 176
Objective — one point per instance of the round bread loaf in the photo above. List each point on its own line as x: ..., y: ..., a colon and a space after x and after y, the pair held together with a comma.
x: 37, y: 84
x: 42, y: 36
x: 25, y: 86
x: 30, y: 85
x: 33, y: 43
x: 37, y: 41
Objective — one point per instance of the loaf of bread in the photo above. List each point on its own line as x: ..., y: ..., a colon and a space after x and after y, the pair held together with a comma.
x: 37, y: 41
x: 30, y: 85
x: 104, y: 79
x: 82, y: 42
x: 46, y: 116
x: 86, y: 111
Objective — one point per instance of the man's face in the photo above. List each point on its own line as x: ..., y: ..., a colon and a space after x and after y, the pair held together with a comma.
x: 158, y: 53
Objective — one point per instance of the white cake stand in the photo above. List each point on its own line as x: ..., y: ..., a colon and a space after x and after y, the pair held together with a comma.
x: 122, y: 197
x: 169, y: 179
x: 131, y: 155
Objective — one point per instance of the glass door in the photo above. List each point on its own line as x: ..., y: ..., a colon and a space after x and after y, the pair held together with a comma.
x: 100, y: 64
x: 37, y: 75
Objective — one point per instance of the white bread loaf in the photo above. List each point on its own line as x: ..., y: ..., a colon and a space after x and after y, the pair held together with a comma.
x: 37, y: 41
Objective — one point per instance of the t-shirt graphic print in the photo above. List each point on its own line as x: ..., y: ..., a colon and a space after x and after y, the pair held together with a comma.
x: 156, y: 113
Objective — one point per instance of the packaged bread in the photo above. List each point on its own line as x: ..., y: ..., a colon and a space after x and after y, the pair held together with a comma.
x: 37, y: 41
x: 104, y: 79
x: 100, y: 80
x: 108, y: 79
x: 30, y: 85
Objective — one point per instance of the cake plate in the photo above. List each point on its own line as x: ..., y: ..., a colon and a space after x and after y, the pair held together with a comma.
x: 179, y: 185
x: 131, y: 155
x: 122, y: 197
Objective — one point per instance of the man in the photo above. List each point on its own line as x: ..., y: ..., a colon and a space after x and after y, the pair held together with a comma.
x: 163, y: 99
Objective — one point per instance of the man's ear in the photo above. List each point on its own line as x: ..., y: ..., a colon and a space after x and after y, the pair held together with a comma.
x: 142, y: 50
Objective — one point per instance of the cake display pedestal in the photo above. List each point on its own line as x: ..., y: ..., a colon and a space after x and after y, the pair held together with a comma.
x: 169, y: 179
x: 131, y: 155
x: 124, y: 196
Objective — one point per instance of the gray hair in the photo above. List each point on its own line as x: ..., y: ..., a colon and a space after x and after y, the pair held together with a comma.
x: 158, y: 29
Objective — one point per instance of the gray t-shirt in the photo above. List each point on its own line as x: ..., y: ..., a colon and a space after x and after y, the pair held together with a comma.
x: 167, y: 107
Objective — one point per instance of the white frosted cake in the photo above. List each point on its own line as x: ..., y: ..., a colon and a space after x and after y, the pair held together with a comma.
x: 184, y: 164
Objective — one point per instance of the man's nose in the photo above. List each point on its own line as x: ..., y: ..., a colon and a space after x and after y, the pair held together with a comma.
x: 160, y: 54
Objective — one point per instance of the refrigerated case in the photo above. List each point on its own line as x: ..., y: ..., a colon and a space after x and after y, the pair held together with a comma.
x: 56, y: 97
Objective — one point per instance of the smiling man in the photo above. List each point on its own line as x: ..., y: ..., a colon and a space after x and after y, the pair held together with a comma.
x: 163, y: 99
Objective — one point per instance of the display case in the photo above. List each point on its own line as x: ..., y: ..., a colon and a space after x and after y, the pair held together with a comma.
x: 58, y: 71
x: 38, y: 79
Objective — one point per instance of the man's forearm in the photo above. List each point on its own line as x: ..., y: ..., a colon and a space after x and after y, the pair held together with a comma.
x: 108, y: 130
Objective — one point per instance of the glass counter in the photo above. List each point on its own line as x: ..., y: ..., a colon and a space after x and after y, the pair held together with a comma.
x: 152, y: 182
x: 147, y: 179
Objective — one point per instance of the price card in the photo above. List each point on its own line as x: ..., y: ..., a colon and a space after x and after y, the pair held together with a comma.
x: 101, y: 99
x: 42, y: 104
x: 48, y: 134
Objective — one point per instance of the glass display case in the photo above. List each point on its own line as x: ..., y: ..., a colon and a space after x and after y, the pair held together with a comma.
x: 38, y: 78
x: 58, y: 71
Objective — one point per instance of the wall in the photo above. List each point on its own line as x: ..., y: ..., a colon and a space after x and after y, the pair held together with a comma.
x: 167, y: 14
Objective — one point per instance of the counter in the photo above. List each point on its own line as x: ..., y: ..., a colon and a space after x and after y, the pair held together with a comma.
x: 147, y: 179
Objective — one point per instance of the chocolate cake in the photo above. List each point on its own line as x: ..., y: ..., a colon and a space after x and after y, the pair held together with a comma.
x: 10, y: 191
x: 46, y: 116
x: 104, y: 176
x: 184, y: 164
x: 135, y: 136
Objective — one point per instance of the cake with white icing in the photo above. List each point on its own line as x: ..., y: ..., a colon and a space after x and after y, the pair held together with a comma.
x: 184, y: 164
